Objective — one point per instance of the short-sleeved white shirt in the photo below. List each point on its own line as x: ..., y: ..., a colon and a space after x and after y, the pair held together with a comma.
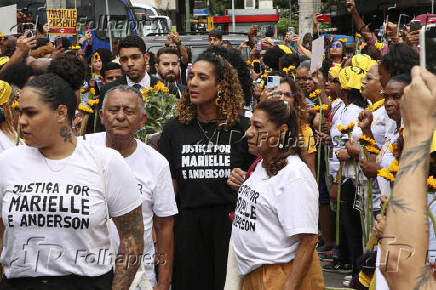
x: 152, y: 173
x: 271, y: 212
x: 345, y: 115
x: 54, y: 211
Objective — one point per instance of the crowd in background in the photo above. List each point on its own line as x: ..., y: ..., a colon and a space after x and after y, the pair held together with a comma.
x: 260, y: 169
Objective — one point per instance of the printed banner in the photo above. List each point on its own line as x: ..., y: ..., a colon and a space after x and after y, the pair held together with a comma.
x: 62, y: 21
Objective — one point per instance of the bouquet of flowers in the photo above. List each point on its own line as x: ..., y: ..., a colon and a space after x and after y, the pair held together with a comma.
x: 159, y: 107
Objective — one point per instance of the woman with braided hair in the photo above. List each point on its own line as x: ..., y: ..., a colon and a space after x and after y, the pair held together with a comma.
x: 203, y: 143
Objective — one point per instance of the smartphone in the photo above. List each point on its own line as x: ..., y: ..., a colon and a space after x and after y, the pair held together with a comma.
x: 27, y: 26
x: 415, y: 25
x: 257, y: 67
x: 273, y: 80
x: 427, y: 42
x: 291, y: 31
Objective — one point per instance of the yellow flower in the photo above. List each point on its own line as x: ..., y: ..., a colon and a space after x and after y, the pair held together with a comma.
x: 379, y: 45
x: 314, y: 94
x: 262, y: 85
x: 431, y: 182
x: 83, y: 90
x: 14, y: 105
x: 97, y: 57
x: 386, y: 174
x: 365, y: 140
x: 160, y: 86
x: 93, y: 102
x: 376, y: 105
x: 372, y: 149
x: 77, y: 47
x: 318, y: 108
x: 1, y: 37
x: 358, y: 35
x: 393, y: 167
x: 346, y: 130
x: 264, y: 76
x: 85, y: 109
x: 92, y: 91
x: 145, y: 92
x: 248, y: 62
x: 288, y: 69
x: 394, y: 149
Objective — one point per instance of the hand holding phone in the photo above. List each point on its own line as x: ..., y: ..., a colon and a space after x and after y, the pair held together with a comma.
x: 272, y: 81
x: 415, y: 25
x: 257, y: 67
x: 427, y: 41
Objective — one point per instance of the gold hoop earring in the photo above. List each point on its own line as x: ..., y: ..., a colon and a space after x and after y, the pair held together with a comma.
x: 219, y: 99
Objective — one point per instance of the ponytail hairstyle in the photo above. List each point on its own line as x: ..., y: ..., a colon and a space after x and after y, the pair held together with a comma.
x: 55, y: 91
x: 279, y: 112
x: 231, y: 93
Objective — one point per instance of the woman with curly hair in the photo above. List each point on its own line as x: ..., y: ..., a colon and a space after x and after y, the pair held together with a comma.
x: 203, y: 143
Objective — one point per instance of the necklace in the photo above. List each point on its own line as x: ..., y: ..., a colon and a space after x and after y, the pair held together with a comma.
x: 209, y: 140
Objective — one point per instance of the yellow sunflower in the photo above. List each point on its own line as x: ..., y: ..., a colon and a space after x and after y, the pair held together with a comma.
x: 366, y: 141
x: 386, y: 174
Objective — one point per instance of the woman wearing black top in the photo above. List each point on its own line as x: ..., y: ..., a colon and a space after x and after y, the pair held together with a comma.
x: 203, y: 143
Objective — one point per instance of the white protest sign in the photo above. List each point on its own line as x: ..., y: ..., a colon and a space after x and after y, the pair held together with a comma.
x: 317, y: 54
x: 8, y: 15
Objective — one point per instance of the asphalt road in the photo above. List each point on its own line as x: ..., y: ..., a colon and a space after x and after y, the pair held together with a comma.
x: 333, y: 279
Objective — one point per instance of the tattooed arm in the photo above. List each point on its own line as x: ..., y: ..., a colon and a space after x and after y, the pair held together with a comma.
x: 131, y: 231
x: 405, y: 241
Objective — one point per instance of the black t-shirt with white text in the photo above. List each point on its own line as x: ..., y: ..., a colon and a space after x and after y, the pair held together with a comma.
x: 201, y: 158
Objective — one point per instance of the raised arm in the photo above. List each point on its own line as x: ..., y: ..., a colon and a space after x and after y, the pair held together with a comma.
x: 406, y: 246
x: 131, y: 231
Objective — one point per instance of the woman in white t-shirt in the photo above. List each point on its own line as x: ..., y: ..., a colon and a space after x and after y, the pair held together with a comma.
x: 56, y: 193
x: 275, y: 228
x: 8, y: 136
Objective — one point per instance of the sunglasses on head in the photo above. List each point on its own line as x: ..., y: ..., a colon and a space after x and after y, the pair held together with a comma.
x: 337, y: 45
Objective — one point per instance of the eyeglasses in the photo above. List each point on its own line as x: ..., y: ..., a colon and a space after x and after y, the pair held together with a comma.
x: 337, y: 45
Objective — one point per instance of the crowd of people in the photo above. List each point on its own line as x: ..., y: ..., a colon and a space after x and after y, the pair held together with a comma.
x: 264, y: 169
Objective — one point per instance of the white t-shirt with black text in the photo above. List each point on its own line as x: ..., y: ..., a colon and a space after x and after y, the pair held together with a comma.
x: 271, y: 212
x: 54, y: 211
x: 153, y: 177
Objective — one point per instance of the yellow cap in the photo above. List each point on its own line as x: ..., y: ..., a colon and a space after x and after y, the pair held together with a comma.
x: 363, y: 61
x: 4, y: 59
x: 286, y: 49
x: 335, y: 70
x: 5, y: 92
x: 351, y: 78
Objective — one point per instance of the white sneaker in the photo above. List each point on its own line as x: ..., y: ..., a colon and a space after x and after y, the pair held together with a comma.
x: 348, y: 278
x: 346, y: 283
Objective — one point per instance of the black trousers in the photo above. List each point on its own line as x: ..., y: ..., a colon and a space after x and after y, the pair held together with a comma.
x: 201, y: 244
x: 351, y: 245
x: 70, y: 282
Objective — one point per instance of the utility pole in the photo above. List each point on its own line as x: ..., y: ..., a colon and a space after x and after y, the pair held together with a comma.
x: 233, y: 16
x: 188, y: 16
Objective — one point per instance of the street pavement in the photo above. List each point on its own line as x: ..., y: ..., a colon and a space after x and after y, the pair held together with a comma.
x: 333, y: 279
